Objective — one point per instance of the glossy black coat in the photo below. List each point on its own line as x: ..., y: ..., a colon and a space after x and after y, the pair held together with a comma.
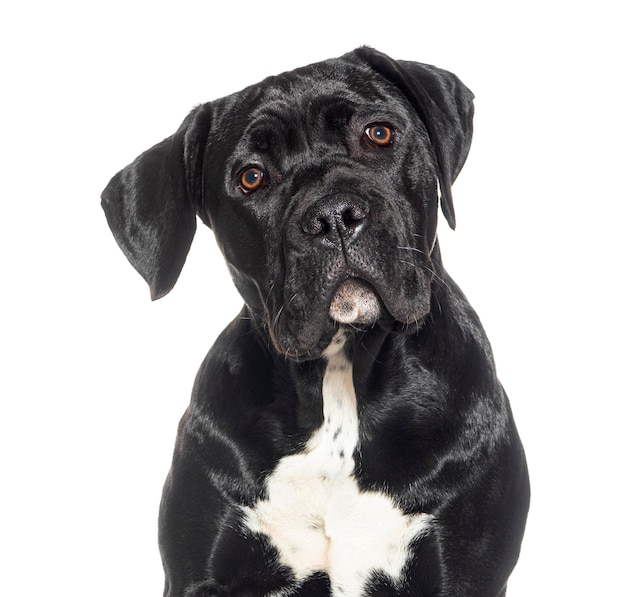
x: 435, y: 426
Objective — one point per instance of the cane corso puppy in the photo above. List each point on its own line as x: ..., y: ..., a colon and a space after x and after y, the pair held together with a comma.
x: 347, y: 434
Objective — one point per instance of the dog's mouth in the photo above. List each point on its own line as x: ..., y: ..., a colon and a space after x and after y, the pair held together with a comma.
x: 355, y: 302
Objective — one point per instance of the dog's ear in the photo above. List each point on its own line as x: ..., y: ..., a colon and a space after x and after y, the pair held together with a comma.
x: 151, y: 204
x: 445, y: 106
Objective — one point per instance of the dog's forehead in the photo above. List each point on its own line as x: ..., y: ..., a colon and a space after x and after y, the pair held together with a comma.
x: 335, y: 78
x: 331, y: 78
x: 322, y: 95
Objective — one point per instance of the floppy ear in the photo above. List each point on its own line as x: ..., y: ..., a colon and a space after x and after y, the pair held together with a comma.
x: 151, y: 204
x: 445, y: 107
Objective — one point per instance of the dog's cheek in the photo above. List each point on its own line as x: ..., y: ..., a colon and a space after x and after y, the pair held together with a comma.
x: 419, y: 183
x: 240, y: 234
x: 301, y: 313
x: 252, y: 248
x: 244, y: 251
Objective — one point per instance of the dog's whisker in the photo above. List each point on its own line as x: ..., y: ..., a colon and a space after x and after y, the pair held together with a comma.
x: 412, y: 249
x: 438, y: 277
x: 275, y: 321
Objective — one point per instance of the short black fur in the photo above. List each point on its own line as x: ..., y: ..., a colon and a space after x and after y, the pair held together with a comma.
x: 436, y: 433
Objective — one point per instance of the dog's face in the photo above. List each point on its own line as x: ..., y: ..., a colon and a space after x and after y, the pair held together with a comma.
x: 320, y: 199
x: 321, y: 186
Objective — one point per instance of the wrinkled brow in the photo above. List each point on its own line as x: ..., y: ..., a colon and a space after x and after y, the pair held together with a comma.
x: 293, y: 128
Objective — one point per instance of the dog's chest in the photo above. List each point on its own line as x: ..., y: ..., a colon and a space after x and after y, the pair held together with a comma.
x: 315, y: 514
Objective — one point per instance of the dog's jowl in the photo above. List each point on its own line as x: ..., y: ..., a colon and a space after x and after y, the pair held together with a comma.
x: 347, y: 434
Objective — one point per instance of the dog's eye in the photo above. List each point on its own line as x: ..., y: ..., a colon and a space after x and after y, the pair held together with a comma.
x: 251, y: 179
x: 380, y: 135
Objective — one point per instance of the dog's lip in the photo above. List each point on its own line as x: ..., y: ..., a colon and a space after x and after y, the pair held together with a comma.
x: 355, y: 301
x: 370, y: 309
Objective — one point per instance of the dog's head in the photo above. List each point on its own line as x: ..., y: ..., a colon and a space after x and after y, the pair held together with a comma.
x: 321, y: 186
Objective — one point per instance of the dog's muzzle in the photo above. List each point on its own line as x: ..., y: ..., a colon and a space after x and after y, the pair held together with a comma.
x: 347, y: 262
x: 337, y: 221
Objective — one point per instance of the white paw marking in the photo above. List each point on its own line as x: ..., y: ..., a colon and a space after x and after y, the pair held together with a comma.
x: 315, y: 514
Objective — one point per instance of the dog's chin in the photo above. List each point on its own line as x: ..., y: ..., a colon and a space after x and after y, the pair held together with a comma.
x: 356, y: 303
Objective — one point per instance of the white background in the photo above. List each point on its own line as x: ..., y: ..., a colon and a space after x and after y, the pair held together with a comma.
x: 94, y: 377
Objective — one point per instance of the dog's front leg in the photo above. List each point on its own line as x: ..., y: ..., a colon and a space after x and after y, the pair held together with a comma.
x: 205, y: 548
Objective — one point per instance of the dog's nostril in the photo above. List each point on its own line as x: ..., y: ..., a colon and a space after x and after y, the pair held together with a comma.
x: 353, y: 216
x: 317, y: 226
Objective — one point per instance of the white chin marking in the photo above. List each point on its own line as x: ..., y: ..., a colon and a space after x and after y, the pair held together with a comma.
x: 316, y: 515
x: 355, y: 302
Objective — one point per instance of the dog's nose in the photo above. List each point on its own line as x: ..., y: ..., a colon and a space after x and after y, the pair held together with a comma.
x: 336, y: 217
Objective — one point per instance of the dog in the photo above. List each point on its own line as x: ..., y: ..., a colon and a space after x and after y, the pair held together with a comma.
x: 347, y: 434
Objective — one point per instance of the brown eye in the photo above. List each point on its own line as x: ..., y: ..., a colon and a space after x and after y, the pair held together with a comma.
x: 379, y: 134
x: 251, y: 179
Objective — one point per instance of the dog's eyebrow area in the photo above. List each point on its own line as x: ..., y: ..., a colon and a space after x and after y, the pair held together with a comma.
x: 300, y: 123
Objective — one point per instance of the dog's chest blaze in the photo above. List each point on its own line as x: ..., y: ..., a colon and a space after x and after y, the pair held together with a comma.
x: 315, y: 514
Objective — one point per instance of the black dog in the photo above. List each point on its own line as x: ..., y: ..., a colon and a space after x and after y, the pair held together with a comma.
x: 347, y: 434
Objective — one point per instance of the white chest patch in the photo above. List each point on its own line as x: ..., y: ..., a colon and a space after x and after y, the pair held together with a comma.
x: 315, y: 514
